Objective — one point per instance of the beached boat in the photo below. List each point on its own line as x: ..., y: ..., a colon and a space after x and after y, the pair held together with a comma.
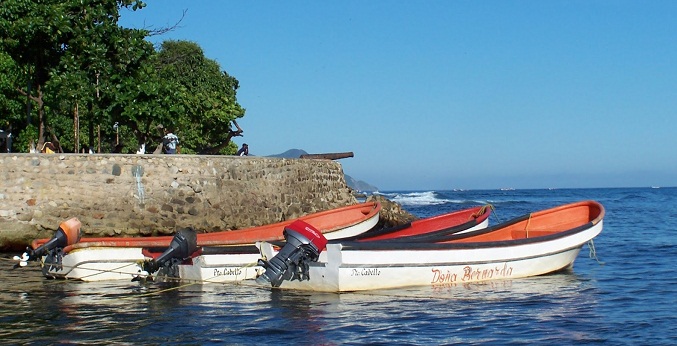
x: 116, y: 258
x: 237, y: 263
x: 534, y: 244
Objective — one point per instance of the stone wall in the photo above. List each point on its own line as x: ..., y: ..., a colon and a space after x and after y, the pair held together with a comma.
x: 157, y: 194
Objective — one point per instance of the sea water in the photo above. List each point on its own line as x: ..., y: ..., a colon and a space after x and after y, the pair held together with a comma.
x: 621, y: 291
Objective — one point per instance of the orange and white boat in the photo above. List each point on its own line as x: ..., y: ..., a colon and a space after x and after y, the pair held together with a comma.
x: 207, y: 261
x: 236, y: 263
x: 534, y: 244
x: 336, y: 223
x: 114, y: 258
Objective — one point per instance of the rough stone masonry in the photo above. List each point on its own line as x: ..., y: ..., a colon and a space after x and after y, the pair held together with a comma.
x: 133, y: 195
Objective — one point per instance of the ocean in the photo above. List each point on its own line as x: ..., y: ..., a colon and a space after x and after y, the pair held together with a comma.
x: 621, y: 291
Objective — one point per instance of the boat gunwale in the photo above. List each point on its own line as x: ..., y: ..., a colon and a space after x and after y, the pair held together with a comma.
x: 373, y: 207
x: 446, y: 242
x: 477, y: 215
x: 444, y: 239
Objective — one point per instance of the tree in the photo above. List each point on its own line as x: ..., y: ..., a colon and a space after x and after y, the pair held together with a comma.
x: 10, y: 107
x: 70, y: 61
x: 71, y: 41
x: 207, y: 98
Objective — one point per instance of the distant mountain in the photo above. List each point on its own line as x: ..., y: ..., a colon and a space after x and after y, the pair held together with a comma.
x: 291, y: 154
x: 357, y: 185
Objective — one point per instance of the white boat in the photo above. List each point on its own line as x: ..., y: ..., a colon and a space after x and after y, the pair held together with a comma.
x: 534, y: 244
x: 93, y: 261
x: 237, y: 263
x: 115, y: 258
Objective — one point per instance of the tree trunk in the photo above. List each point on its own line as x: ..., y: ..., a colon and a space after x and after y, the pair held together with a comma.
x: 215, y: 150
x: 41, y: 116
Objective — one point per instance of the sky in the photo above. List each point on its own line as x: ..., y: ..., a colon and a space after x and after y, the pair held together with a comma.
x: 450, y: 94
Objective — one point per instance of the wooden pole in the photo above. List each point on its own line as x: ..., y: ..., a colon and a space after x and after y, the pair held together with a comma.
x: 76, y: 127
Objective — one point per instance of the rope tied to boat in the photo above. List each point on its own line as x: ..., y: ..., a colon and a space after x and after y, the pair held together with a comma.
x: 526, y: 227
x: 593, y: 252
x: 483, y: 210
x: 140, y: 276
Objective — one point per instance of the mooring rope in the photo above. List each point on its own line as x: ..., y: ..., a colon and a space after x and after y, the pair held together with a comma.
x: 494, y: 214
x: 252, y: 284
x: 526, y: 227
x: 593, y: 251
x: 140, y: 275
x: 98, y: 271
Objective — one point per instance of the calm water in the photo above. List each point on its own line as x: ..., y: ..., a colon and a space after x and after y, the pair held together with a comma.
x: 628, y: 296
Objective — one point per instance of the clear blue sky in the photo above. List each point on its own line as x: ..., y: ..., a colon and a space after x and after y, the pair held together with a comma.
x: 451, y: 94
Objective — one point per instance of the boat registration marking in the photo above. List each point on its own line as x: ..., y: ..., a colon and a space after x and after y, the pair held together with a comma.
x: 470, y: 273
x: 227, y: 271
x: 365, y: 272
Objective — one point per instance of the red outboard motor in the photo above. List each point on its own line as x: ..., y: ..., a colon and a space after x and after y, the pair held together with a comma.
x: 68, y: 233
x: 304, y: 245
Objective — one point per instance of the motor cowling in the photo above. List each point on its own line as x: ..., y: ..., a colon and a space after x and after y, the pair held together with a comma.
x: 181, y: 247
x: 67, y: 234
x: 304, y: 243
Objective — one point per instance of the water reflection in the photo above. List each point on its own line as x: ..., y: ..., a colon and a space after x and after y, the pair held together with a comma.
x: 53, y: 311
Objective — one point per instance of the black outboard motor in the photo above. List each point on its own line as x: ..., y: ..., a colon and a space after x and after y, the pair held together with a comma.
x: 304, y: 245
x: 182, y: 246
x: 67, y: 234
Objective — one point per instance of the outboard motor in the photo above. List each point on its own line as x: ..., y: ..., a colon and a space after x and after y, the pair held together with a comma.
x: 182, y: 246
x: 67, y: 234
x: 304, y: 245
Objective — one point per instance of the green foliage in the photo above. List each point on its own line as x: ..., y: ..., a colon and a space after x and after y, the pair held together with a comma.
x: 70, y: 57
x: 11, y: 107
x: 57, y: 44
x: 23, y: 139
x: 207, y: 96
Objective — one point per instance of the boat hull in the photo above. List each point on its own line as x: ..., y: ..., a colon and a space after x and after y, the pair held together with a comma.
x: 234, y: 263
x: 98, y: 264
x: 103, y: 259
x: 237, y: 267
x: 340, y: 270
x: 222, y: 268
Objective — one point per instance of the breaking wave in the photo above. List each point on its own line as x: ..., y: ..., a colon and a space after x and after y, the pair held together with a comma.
x: 419, y: 198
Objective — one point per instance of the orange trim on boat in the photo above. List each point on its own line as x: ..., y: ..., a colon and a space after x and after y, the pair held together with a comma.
x: 542, y: 223
x: 436, y: 223
x: 326, y: 221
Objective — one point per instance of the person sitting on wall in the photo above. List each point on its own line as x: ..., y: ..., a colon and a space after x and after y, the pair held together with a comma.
x: 170, y: 141
x: 244, y: 151
x: 5, y: 141
x: 48, y: 148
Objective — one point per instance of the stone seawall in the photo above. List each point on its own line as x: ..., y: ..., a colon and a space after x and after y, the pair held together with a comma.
x: 157, y: 194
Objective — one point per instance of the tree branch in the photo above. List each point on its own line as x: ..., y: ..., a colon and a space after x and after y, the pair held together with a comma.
x: 161, y: 31
x: 215, y: 150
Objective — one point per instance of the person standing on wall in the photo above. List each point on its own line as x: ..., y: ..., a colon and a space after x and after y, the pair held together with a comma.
x: 170, y: 141
x: 244, y: 151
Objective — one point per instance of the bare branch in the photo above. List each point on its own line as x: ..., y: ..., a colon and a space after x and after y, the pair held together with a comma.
x: 161, y: 31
